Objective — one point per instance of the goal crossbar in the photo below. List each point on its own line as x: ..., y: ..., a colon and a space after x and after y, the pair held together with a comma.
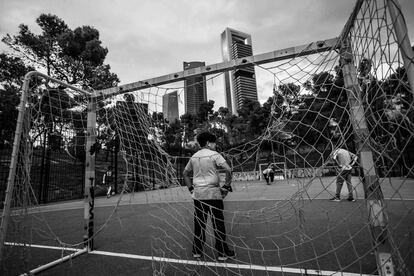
x: 277, y: 55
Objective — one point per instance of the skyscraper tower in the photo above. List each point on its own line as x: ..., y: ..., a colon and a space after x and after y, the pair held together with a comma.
x: 240, y: 84
x: 195, y: 89
x: 170, y: 106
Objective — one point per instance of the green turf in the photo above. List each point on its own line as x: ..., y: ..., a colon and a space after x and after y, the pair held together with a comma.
x: 334, y: 240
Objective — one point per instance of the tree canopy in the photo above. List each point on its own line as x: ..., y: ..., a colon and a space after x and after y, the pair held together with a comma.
x: 12, y: 71
x: 73, y: 56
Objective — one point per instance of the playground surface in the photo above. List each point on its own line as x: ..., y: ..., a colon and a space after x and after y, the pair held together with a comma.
x: 126, y: 242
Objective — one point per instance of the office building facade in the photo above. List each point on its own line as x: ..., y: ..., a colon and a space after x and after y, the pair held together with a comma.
x: 195, y: 89
x: 240, y: 84
x: 170, y: 106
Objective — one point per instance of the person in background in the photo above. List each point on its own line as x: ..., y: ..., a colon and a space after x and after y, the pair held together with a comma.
x: 203, y: 181
x: 108, y: 180
x: 269, y: 174
x: 272, y: 172
x: 345, y: 160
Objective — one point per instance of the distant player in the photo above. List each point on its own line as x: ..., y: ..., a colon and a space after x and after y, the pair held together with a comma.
x: 345, y: 160
x: 269, y: 174
x: 108, y: 180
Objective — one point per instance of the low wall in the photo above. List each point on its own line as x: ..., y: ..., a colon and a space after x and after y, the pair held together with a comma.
x: 288, y: 173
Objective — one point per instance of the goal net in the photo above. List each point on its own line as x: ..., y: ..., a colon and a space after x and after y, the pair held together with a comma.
x: 357, y: 96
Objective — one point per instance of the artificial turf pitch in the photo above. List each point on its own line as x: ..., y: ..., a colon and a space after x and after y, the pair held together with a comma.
x: 334, y: 242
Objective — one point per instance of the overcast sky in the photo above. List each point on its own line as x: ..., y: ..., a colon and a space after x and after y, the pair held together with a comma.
x: 150, y: 38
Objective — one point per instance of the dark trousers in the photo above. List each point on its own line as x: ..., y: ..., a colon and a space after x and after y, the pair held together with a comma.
x: 269, y: 176
x: 344, y: 176
x: 266, y: 177
x: 201, y: 210
x: 272, y: 176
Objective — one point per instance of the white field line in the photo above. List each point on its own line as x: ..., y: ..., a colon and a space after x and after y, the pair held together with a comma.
x: 231, y: 265
x: 43, y: 246
x: 203, y: 263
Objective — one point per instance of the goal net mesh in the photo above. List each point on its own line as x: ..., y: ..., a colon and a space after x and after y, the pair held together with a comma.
x: 289, y: 226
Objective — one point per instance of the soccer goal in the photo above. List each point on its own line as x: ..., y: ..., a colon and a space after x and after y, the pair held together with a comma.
x: 354, y: 91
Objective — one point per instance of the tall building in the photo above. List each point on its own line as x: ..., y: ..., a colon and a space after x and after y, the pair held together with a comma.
x: 240, y: 84
x: 170, y: 106
x: 195, y: 89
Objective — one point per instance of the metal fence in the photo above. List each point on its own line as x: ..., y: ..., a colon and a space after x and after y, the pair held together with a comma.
x: 54, y: 175
x: 57, y: 176
x: 5, y: 155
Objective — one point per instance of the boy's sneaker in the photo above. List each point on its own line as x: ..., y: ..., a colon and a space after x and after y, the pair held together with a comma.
x: 228, y: 254
x: 222, y: 257
x: 197, y: 255
x: 335, y: 198
x: 351, y: 199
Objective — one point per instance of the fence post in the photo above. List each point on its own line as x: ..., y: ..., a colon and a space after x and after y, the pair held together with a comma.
x: 89, y: 193
x: 386, y: 262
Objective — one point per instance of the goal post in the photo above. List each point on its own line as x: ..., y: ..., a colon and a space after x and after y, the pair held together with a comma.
x: 90, y: 179
x: 389, y: 261
x: 13, y: 163
x: 37, y: 109
x: 372, y: 188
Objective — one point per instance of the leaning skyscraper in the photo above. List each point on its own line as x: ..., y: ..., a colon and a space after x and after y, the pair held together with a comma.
x: 240, y: 84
